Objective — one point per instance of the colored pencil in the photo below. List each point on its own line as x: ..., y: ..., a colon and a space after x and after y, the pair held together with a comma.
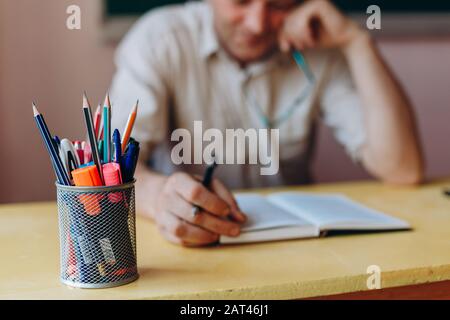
x: 58, y: 167
x: 129, y: 126
x: 91, y: 135
x: 97, y: 120
x: 107, y: 130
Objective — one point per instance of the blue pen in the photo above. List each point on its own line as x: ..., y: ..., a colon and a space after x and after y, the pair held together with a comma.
x: 57, y: 141
x: 117, y: 147
x: 130, y: 160
x: 303, y: 65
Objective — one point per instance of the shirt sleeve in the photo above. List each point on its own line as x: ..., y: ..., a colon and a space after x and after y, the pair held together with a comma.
x: 143, y: 67
x: 341, y: 107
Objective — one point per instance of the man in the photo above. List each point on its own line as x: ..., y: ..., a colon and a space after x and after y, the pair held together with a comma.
x: 203, y: 61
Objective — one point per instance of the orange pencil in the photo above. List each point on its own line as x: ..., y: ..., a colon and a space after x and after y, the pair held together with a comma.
x: 129, y: 127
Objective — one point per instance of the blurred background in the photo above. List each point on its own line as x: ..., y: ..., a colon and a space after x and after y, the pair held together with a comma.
x: 41, y: 60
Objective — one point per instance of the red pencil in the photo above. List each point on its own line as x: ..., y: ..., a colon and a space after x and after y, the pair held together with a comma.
x: 97, y: 120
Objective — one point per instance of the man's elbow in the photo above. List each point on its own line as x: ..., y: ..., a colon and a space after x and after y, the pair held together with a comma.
x: 406, y: 177
x: 409, y: 173
x: 406, y: 171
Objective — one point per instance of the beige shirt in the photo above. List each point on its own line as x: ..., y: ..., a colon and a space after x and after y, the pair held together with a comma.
x: 172, y: 62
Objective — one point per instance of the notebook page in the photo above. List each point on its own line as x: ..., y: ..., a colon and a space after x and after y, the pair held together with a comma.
x: 335, y: 211
x: 262, y: 214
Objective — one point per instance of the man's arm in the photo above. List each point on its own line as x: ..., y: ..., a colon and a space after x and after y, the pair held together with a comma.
x: 391, y: 151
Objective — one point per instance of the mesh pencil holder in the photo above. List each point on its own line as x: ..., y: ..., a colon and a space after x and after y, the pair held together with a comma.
x: 97, y: 235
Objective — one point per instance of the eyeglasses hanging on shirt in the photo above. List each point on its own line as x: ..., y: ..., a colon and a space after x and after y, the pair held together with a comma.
x: 270, y: 124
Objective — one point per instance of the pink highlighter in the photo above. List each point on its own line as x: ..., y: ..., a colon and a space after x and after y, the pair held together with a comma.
x: 113, y: 177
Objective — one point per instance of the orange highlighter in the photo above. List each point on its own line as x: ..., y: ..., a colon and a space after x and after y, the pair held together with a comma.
x: 88, y: 177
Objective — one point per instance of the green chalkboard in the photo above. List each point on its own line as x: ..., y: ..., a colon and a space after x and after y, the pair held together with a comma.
x: 137, y: 7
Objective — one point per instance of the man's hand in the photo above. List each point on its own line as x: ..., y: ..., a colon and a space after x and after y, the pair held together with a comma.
x: 220, y: 214
x: 317, y: 23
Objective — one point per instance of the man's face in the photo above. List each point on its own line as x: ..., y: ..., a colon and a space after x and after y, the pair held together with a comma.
x: 248, y: 29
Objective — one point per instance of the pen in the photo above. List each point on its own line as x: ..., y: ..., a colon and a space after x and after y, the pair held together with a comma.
x: 206, y: 182
x: 130, y: 161
x: 80, y: 151
x: 303, y: 65
x: 57, y: 142
x: 69, y: 156
x: 117, y: 147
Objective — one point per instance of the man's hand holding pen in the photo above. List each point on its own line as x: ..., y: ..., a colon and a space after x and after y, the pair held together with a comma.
x: 219, y: 213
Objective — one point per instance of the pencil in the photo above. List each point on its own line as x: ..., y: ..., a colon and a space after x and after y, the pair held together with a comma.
x: 107, y: 130
x: 97, y: 120
x: 129, y: 126
x: 58, y: 167
x: 91, y: 135
x: 100, y: 125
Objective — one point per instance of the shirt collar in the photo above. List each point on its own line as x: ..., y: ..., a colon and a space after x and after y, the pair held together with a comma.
x: 209, y: 43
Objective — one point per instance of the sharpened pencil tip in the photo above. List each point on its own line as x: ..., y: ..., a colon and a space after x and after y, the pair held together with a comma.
x: 135, y: 107
x: 35, y: 110
x: 85, y: 100
x: 107, y: 103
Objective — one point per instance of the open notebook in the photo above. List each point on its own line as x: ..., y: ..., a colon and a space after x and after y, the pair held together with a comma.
x: 289, y: 215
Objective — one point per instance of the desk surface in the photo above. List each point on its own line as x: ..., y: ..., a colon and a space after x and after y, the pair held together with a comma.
x: 278, y: 270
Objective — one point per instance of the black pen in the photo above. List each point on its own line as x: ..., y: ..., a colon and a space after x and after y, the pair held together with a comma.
x: 206, y: 182
x: 209, y: 174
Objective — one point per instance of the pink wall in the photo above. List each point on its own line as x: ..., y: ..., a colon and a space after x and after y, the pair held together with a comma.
x: 422, y: 66
x: 40, y: 59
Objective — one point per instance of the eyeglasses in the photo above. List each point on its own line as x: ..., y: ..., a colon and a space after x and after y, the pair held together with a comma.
x: 276, y: 123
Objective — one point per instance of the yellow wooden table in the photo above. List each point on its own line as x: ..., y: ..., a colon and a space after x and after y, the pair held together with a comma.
x: 29, y: 267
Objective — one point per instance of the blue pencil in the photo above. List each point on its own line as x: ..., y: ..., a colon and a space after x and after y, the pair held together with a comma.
x: 47, y: 137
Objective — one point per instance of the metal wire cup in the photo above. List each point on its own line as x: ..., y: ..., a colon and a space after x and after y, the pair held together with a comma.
x: 97, y: 229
